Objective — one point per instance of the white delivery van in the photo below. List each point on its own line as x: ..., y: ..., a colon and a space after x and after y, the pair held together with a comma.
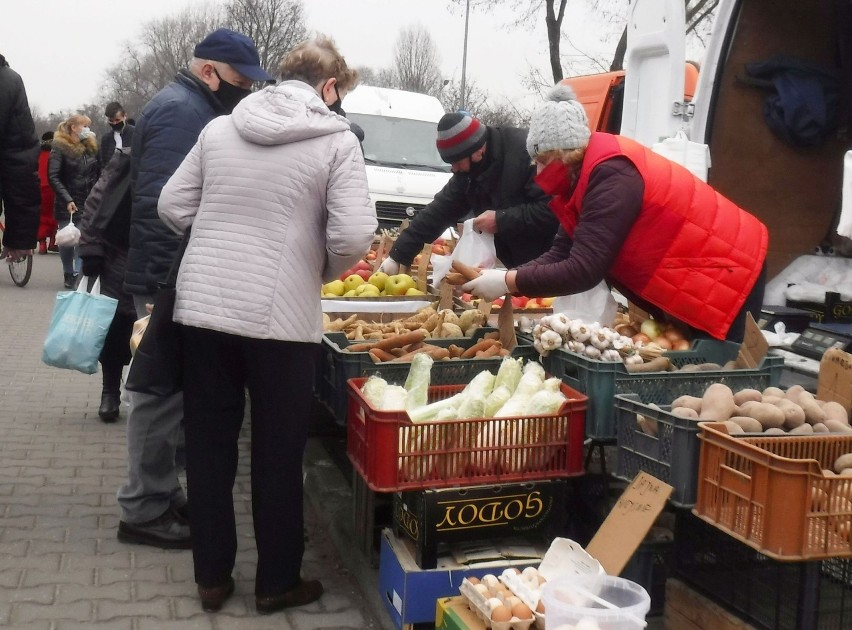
x: 404, y: 169
x: 795, y: 191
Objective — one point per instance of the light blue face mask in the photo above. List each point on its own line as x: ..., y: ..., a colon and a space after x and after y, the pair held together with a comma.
x: 85, y: 132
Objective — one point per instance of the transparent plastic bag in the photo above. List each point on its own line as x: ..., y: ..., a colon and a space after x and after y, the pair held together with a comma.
x: 474, y: 248
x: 595, y: 305
x: 69, y: 236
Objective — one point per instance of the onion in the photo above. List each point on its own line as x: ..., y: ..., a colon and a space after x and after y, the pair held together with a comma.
x: 626, y: 329
x: 673, y: 334
x: 641, y: 338
x: 651, y: 328
x: 681, y: 344
x: 664, y: 343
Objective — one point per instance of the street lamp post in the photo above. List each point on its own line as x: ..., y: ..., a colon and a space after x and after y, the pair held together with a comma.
x: 464, y: 56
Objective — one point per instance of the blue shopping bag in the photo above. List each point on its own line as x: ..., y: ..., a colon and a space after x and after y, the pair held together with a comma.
x: 78, y: 328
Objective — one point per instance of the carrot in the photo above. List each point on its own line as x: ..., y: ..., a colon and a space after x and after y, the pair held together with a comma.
x: 455, y: 351
x: 469, y: 273
x: 379, y: 356
x: 493, y: 351
x: 435, y: 352
x: 395, y: 341
x: 478, y: 347
x: 455, y: 278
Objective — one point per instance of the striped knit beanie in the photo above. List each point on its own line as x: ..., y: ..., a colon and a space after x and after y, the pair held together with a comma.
x: 459, y: 136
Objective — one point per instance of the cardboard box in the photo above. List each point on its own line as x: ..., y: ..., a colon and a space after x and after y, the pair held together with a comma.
x: 833, y: 310
x: 432, y: 519
x: 410, y: 593
x: 835, y: 377
x: 453, y: 613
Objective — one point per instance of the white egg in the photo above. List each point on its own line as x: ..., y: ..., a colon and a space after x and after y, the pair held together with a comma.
x: 490, y: 581
x: 481, y: 589
x: 530, y: 572
x: 493, y: 603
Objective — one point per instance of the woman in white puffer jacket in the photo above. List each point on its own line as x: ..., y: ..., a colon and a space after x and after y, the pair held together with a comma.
x: 276, y: 198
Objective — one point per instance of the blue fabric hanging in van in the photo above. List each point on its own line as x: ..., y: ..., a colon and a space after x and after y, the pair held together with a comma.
x: 803, y: 108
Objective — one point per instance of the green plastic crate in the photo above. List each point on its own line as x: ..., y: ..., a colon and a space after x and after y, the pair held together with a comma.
x: 338, y: 366
x: 601, y: 381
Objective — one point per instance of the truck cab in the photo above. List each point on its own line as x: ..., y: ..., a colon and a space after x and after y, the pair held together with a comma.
x: 404, y: 169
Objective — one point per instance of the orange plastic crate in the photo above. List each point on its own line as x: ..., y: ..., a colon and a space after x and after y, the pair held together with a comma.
x: 392, y: 453
x: 771, y: 493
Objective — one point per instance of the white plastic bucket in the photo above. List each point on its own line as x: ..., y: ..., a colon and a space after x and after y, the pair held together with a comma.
x: 569, y: 604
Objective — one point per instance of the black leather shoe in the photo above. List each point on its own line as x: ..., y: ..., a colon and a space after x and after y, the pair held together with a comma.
x: 305, y: 592
x: 108, y: 411
x: 214, y: 597
x: 69, y: 280
x: 165, y: 532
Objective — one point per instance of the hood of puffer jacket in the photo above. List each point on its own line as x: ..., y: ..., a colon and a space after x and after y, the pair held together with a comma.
x: 288, y: 112
x: 74, y: 148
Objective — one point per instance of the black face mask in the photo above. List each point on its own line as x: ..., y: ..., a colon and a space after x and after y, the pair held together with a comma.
x: 229, y: 94
x: 337, y: 106
x: 119, y: 127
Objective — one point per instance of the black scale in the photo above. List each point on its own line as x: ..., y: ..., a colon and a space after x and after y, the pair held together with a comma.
x: 817, y: 338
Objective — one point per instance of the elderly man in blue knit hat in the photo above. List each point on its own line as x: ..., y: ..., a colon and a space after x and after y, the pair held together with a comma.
x: 493, y: 182
x: 223, y: 69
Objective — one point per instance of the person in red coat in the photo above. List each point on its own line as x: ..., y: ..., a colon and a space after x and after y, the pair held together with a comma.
x: 47, y: 224
x: 667, y: 240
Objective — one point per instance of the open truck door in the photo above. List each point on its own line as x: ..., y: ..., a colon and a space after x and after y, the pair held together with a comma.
x: 654, y: 105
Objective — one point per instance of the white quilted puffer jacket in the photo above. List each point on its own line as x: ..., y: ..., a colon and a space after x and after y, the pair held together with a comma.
x: 276, y: 196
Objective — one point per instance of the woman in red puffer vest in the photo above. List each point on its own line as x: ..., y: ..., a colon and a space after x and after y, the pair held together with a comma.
x: 662, y: 236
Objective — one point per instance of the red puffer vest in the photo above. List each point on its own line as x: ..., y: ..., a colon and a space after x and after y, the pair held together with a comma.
x: 691, y: 252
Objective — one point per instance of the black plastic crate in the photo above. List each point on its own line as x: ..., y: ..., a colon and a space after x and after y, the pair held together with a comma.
x: 650, y: 567
x: 771, y: 595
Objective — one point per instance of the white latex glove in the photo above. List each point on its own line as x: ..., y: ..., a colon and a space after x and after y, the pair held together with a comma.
x: 490, y: 285
x: 389, y: 266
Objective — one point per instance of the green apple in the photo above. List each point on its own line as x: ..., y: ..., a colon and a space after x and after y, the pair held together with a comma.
x: 352, y: 282
x: 367, y: 290
x: 415, y: 292
x: 350, y: 293
x: 399, y: 284
x: 335, y: 287
x: 378, y: 280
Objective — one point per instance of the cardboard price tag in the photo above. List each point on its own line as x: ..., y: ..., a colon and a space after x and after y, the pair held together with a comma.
x: 506, y: 324
x: 754, y: 346
x: 835, y: 377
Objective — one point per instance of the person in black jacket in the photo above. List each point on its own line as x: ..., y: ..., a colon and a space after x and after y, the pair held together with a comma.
x: 493, y: 180
x: 104, y: 239
x: 72, y: 171
x: 122, y: 132
x: 19, y: 148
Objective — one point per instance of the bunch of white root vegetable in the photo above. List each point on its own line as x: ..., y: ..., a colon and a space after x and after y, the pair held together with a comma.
x: 591, y: 340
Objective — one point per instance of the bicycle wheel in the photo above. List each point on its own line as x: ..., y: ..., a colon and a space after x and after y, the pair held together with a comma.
x: 21, y: 270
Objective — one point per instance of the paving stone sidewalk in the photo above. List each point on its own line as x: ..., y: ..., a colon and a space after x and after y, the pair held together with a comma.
x: 61, y: 566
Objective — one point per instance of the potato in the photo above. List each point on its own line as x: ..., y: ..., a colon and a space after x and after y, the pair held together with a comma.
x: 793, y: 392
x: 685, y: 412
x: 775, y: 431
x: 717, y: 403
x: 733, y: 428
x: 813, y: 412
x: 768, y: 415
x: 772, y: 400
x: 744, y: 395
x: 692, y: 402
x: 846, y: 472
x: 802, y: 429
x: 837, y: 427
x: 819, y: 427
x: 818, y: 499
x: 794, y: 415
x: 835, y: 411
x: 774, y: 391
x: 842, y: 462
x: 649, y: 427
x: 749, y: 425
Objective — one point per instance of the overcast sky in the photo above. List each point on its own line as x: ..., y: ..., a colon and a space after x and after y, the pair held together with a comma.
x: 62, y: 48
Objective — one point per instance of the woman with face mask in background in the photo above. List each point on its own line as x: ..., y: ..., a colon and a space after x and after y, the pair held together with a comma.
x: 72, y: 170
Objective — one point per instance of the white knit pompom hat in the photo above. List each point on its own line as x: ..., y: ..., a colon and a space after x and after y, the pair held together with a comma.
x: 558, y: 123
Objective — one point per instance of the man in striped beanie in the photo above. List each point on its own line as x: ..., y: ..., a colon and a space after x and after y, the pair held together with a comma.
x: 493, y: 182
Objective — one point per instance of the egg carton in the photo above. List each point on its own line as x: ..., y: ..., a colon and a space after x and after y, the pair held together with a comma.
x: 484, y: 597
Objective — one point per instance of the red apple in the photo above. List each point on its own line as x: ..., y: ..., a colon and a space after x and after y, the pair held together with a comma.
x: 498, y: 302
x: 520, y: 301
x: 364, y: 273
x: 362, y: 264
x: 467, y: 297
x: 347, y: 273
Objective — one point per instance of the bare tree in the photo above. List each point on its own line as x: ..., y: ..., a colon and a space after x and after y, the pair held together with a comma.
x: 275, y: 26
x: 490, y: 112
x: 416, y: 62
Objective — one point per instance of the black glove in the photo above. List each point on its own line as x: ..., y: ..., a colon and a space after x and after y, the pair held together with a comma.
x: 93, y: 265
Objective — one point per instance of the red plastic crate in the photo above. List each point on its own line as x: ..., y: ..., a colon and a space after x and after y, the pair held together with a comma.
x: 771, y: 493
x: 392, y: 453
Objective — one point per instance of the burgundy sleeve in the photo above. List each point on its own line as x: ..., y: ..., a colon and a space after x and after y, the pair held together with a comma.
x: 609, y: 208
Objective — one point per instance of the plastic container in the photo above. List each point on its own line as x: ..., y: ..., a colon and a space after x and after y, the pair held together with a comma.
x: 602, y: 380
x: 769, y: 595
x: 391, y: 453
x: 771, y: 493
x: 671, y: 456
x: 337, y: 366
x: 566, y: 606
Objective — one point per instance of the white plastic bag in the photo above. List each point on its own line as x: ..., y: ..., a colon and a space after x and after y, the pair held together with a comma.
x: 474, y: 248
x: 69, y: 236
x: 691, y: 155
x: 595, y: 305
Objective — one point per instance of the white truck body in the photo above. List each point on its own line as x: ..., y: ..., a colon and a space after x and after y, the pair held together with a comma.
x: 404, y: 169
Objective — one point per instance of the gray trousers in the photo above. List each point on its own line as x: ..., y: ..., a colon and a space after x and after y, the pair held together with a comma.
x: 154, y: 450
